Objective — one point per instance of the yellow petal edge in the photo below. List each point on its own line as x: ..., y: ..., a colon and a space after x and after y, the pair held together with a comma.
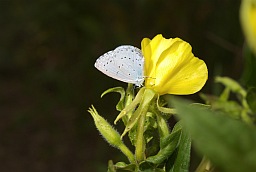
x: 171, y: 67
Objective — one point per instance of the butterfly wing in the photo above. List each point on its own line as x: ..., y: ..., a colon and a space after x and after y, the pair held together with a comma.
x: 125, y: 63
x: 131, y: 62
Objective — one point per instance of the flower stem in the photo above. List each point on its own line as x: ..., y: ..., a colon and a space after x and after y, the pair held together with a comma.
x: 127, y: 153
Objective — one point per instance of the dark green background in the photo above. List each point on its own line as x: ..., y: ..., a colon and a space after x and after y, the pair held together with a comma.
x: 48, y: 79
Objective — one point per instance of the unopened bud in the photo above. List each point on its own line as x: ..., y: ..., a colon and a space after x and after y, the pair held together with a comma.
x: 105, y: 129
x: 110, y: 134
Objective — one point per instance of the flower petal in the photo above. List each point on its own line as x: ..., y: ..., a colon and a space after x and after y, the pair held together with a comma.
x: 179, y: 71
x: 171, y: 67
x: 146, y: 51
x: 152, y: 50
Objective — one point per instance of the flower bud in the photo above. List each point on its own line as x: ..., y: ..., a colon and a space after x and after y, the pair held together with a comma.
x: 110, y: 134
x: 105, y: 129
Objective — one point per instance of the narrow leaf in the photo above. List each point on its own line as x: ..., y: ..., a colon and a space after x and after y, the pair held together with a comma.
x: 182, y: 158
x: 164, y: 153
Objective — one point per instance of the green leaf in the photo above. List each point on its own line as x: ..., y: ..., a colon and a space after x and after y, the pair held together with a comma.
x: 251, y: 99
x: 228, y: 143
x: 181, y: 159
x: 176, y: 131
x: 164, y: 109
x: 168, y: 145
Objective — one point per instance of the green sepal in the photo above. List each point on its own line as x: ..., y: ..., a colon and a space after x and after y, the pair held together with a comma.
x: 131, y: 106
x: 120, y: 105
x: 164, y: 109
x: 167, y: 147
x: 144, y: 97
x: 132, y: 121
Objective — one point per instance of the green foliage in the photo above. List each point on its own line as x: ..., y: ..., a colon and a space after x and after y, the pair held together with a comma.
x: 223, y: 130
x: 228, y: 143
x: 237, y: 109
x: 47, y: 77
x: 156, y: 147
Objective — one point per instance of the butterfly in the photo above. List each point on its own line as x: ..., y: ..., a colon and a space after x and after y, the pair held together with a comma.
x: 125, y: 63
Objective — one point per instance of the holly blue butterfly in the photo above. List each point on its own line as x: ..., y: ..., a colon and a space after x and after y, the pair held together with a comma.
x: 125, y: 63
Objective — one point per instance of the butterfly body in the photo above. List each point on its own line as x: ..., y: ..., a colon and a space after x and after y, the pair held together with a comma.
x: 125, y: 63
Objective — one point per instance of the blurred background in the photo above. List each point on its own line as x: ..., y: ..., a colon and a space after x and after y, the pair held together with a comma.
x: 48, y: 79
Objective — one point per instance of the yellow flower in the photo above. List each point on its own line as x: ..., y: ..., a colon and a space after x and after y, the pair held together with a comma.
x: 248, y: 22
x: 171, y: 67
